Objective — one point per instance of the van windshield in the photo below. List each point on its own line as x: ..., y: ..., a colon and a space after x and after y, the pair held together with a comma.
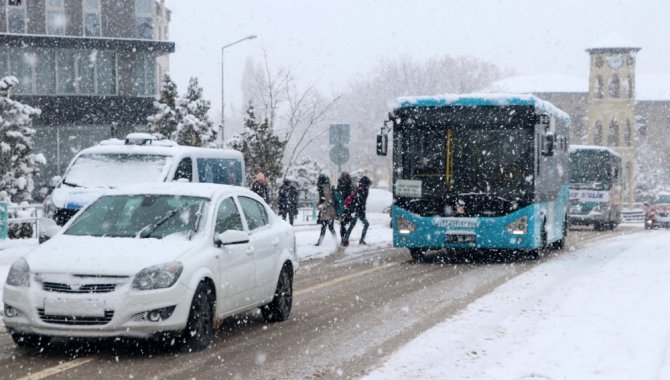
x: 116, y: 169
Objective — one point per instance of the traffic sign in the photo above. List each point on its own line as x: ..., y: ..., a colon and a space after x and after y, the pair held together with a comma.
x: 339, y: 154
x: 339, y: 134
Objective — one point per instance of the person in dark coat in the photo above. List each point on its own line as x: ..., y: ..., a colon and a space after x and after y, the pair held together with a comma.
x: 261, y: 188
x: 357, y: 209
x: 287, y: 200
x: 326, y: 206
x: 344, y: 187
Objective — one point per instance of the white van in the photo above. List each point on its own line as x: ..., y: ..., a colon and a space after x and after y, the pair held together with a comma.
x: 140, y: 158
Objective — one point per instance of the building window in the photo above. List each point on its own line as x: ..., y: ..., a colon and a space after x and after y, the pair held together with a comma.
x: 598, y: 133
x: 613, y: 134
x: 630, y: 89
x: 16, y: 16
x: 144, y: 20
x: 628, y: 134
x: 598, y: 87
x: 614, y: 87
x: 91, y: 11
x: 63, y: 72
x: 145, y: 74
x: 55, y: 17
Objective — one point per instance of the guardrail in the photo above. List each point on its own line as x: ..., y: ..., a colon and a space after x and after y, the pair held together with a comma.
x: 19, y: 221
x: 632, y: 216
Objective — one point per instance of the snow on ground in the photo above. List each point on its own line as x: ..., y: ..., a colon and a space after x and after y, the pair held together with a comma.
x: 600, y: 312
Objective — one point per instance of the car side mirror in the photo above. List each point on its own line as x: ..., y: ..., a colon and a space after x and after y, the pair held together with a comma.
x: 231, y: 237
x: 382, y: 144
x: 47, y: 229
x: 549, y: 139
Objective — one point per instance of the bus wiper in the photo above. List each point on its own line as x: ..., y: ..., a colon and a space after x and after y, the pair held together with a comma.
x: 147, y: 230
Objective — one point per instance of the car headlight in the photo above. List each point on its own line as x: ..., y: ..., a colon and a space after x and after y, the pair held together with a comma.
x: 19, y: 273
x: 518, y: 227
x: 405, y: 227
x: 158, y: 276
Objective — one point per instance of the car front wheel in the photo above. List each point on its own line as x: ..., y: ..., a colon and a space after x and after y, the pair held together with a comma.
x: 200, y: 326
x: 279, y: 309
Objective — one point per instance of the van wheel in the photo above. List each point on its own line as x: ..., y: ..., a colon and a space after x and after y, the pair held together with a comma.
x: 200, y: 325
x: 280, y: 308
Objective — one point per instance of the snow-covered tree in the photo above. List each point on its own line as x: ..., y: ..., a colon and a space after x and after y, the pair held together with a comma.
x: 164, y: 122
x: 261, y: 148
x: 194, y: 127
x: 305, y: 172
x: 18, y: 163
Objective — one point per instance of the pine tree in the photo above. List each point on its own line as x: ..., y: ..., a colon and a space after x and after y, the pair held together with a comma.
x: 18, y: 163
x: 261, y: 148
x: 194, y: 127
x: 305, y: 171
x: 164, y: 122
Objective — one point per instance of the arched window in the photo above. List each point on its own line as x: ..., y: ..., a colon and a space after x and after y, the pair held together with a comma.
x: 628, y: 134
x: 613, y: 134
x: 614, y: 87
x: 598, y: 87
x: 598, y: 133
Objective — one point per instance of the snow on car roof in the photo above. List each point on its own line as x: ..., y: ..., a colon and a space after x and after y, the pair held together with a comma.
x: 574, y: 148
x: 473, y: 100
x: 119, y: 146
x: 204, y: 190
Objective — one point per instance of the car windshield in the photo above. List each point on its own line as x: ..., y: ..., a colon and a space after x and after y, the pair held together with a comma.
x: 661, y: 199
x: 116, y: 169
x: 141, y: 216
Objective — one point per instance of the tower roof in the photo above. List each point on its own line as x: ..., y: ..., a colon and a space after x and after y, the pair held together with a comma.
x: 613, y: 43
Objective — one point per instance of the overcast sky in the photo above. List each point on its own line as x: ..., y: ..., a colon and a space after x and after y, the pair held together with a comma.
x: 327, y: 42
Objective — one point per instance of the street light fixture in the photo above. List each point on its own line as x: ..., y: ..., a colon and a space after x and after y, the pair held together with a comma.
x: 223, y: 104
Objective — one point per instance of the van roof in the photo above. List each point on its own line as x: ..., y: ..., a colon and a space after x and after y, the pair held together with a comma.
x: 161, y: 148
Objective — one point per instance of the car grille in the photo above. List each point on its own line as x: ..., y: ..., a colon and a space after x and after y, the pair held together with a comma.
x: 663, y: 214
x: 86, y: 288
x: 73, y: 320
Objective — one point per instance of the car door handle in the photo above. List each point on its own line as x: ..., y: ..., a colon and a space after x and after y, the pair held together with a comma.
x: 275, y: 241
x: 250, y: 251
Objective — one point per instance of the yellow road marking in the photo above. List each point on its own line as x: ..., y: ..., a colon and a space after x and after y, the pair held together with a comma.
x: 337, y: 280
x: 57, y: 369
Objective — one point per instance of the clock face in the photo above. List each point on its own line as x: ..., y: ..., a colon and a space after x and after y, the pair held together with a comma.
x: 615, y: 62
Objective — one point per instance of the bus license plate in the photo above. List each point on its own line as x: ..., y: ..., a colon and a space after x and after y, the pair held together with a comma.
x: 460, y: 238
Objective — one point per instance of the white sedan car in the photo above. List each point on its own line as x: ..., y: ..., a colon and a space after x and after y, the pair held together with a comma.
x: 164, y: 260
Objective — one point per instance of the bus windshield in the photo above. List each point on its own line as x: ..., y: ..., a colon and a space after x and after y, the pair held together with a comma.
x: 589, y: 170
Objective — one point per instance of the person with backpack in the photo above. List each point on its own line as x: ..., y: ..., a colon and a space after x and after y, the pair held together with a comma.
x: 344, y: 188
x: 355, y: 204
x: 326, y: 206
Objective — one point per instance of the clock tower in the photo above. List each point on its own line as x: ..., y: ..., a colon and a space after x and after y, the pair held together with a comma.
x: 611, y: 107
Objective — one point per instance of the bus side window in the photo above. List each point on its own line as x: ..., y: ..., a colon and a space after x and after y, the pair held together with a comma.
x: 184, y: 170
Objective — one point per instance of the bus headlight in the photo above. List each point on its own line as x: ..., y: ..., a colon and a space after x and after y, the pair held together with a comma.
x: 518, y: 227
x: 405, y: 227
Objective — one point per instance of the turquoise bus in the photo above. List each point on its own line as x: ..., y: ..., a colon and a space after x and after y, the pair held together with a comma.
x: 484, y: 172
x: 595, y: 187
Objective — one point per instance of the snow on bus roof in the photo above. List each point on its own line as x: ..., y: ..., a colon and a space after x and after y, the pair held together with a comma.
x: 474, y: 100
x: 574, y: 148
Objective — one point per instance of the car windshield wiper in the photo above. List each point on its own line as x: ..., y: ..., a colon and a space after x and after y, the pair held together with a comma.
x: 71, y: 184
x: 147, y: 230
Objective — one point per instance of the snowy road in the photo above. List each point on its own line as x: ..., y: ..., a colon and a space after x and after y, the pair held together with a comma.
x: 353, y: 309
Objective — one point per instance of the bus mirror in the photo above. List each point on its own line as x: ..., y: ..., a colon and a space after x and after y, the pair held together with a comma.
x: 543, y: 119
x: 382, y: 144
x: 548, y: 144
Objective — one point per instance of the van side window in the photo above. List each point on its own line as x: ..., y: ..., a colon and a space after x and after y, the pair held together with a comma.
x: 254, y: 212
x: 220, y: 170
x: 184, y: 170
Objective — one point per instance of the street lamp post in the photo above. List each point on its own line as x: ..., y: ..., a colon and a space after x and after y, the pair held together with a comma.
x: 223, y: 104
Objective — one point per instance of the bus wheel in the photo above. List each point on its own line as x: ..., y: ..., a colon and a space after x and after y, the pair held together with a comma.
x: 418, y: 254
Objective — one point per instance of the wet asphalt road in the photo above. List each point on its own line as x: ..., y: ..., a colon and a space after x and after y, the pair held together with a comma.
x: 349, y: 313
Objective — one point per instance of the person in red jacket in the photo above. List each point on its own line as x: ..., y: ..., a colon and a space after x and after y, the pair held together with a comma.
x: 357, y: 209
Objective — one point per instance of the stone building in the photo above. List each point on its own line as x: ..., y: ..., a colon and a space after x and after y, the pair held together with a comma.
x: 91, y: 66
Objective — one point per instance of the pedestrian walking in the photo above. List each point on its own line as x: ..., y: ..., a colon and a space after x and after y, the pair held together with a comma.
x: 261, y: 188
x: 344, y: 188
x: 287, y: 200
x: 356, y: 206
x: 326, y: 207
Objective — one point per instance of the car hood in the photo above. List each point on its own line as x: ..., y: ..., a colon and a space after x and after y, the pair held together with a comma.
x: 75, y: 197
x: 104, y: 256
